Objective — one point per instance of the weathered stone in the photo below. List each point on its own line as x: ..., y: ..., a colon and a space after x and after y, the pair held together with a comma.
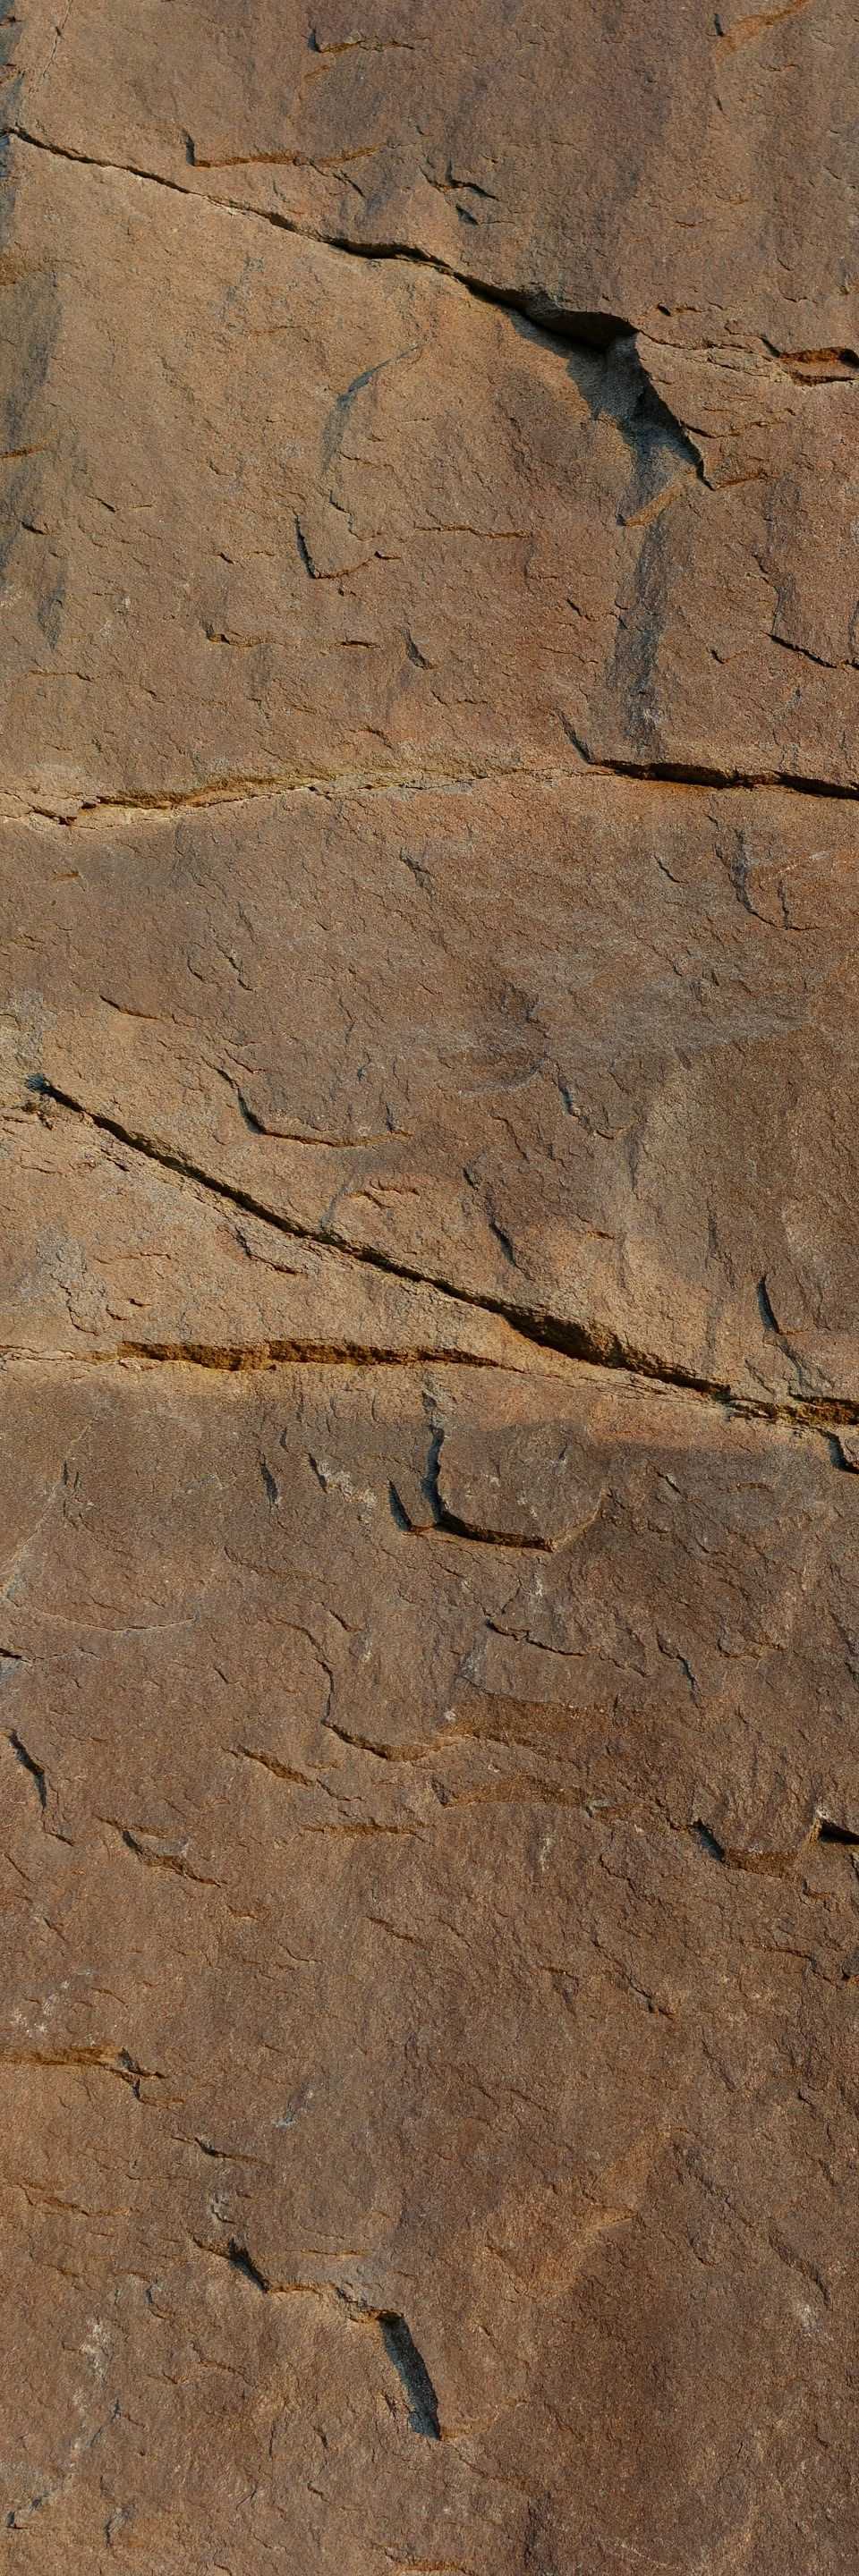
x: 385, y: 2127
x: 109, y: 1252
x: 429, y: 1101
x: 357, y: 521
x: 662, y: 163
x: 584, y: 1050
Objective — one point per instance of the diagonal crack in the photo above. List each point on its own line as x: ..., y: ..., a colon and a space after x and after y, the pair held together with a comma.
x: 28, y: 1763
x: 556, y: 323
x: 560, y: 325
x: 413, y: 2375
x: 589, y: 1344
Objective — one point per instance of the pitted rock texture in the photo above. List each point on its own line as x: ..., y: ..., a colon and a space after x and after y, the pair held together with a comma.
x: 429, y: 1102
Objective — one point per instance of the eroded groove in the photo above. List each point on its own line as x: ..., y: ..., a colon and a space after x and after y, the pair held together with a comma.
x: 813, y: 367
x: 587, y: 1344
x: 233, y: 1358
x: 450, y: 1524
x: 156, y: 1855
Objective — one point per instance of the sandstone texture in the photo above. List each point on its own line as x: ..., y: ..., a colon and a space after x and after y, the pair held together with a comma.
x: 429, y: 1288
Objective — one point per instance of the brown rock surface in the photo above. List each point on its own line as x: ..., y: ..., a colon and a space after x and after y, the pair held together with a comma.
x: 672, y: 160
x: 429, y: 1102
x: 358, y: 521
x: 584, y: 1051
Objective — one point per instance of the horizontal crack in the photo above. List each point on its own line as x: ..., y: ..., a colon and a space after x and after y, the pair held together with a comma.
x: 532, y: 1326
x: 240, y: 790
x: 653, y: 1818
x: 233, y: 1358
x: 772, y: 1864
x: 679, y: 773
x: 108, y: 2061
x: 696, y: 778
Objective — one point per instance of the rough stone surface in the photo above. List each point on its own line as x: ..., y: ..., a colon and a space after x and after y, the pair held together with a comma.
x: 357, y: 519
x: 429, y: 1282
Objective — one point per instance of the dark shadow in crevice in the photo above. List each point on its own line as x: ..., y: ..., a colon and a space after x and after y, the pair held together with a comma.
x: 413, y: 2375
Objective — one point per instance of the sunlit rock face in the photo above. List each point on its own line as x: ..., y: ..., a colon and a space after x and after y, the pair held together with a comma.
x: 429, y: 1283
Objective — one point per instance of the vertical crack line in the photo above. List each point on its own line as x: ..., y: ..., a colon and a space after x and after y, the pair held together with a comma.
x: 29, y: 1764
x: 413, y: 2375
x: 243, y: 2262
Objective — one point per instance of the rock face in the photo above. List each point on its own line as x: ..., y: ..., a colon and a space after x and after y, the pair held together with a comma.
x: 429, y: 1289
